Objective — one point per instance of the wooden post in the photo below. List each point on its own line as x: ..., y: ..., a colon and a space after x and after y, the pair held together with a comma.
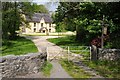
x: 90, y: 52
x: 47, y: 53
x: 94, y: 53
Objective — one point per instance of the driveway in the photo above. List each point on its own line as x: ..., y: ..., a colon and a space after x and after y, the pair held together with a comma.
x: 42, y: 44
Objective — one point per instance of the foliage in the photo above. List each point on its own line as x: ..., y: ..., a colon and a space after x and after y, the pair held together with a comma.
x: 40, y: 8
x: 60, y: 27
x: 18, y: 46
x: 60, y: 16
x: 109, y: 69
x: 11, y: 18
x: 79, y: 16
x: 46, y: 69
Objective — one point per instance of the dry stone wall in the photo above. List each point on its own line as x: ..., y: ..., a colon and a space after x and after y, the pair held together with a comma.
x: 13, y: 66
x: 109, y: 54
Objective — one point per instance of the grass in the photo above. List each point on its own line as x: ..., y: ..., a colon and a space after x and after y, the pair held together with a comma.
x: 17, y: 47
x: 65, y: 41
x: 109, y: 69
x: 74, y: 70
x: 50, y: 34
x: 46, y: 69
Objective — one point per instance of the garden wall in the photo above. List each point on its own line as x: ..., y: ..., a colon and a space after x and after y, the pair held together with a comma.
x: 108, y: 54
x: 13, y: 66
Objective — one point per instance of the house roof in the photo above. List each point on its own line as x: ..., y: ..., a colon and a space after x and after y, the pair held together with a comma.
x: 38, y: 16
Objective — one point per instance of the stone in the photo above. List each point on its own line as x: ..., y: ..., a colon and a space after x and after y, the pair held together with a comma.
x: 108, y: 54
x: 12, y: 65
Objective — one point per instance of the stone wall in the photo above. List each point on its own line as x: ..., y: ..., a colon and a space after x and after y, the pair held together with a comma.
x: 108, y: 54
x: 13, y: 66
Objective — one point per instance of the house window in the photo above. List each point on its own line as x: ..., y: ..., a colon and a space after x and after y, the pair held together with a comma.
x: 34, y: 24
x: 49, y: 30
x: 41, y: 24
x: 50, y: 25
x: 34, y: 29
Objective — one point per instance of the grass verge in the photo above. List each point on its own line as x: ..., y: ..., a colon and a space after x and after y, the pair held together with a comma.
x: 74, y: 70
x: 51, y: 34
x: 17, y: 47
x: 109, y: 69
x: 46, y: 69
x: 65, y: 41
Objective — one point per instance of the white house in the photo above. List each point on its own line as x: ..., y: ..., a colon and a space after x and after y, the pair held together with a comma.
x: 39, y: 22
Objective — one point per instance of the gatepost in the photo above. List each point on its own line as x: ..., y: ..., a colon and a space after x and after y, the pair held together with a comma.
x: 94, y: 53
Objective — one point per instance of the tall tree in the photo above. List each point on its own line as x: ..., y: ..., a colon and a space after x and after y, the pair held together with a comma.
x: 40, y: 8
x: 87, y: 17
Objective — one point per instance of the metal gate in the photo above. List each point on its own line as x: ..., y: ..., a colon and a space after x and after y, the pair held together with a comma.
x: 69, y: 52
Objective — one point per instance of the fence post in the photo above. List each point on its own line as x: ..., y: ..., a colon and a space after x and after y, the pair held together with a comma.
x: 47, y: 54
x: 90, y: 52
x: 94, y: 53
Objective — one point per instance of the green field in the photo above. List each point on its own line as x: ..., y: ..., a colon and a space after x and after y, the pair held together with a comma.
x: 17, y: 47
x: 65, y: 41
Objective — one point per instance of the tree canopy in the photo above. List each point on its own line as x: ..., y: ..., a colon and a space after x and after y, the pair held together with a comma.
x: 87, y: 18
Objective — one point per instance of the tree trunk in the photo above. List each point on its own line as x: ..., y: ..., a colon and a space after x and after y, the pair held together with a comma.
x: 13, y: 33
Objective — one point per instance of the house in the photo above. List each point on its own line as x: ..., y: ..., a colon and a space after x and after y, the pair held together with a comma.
x: 40, y: 23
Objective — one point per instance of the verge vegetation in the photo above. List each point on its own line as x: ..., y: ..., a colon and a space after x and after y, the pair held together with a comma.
x: 17, y: 47
x: 46, y: 69
x: 67, y: 41
x: 109, y: 69
x: 51, y: 34
x: 74, y: 70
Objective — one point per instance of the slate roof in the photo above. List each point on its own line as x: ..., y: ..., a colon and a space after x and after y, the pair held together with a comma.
x: 38, y: 16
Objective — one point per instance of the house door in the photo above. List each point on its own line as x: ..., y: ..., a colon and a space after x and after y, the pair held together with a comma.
x: 43, y: 31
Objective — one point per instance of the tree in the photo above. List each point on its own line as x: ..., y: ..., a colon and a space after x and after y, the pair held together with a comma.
x: 87, y: 18
x: 39, y: 8
x: 12, y: 16
x: 63, y: 14
x: 114, y: 16
x: 10, y: 19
